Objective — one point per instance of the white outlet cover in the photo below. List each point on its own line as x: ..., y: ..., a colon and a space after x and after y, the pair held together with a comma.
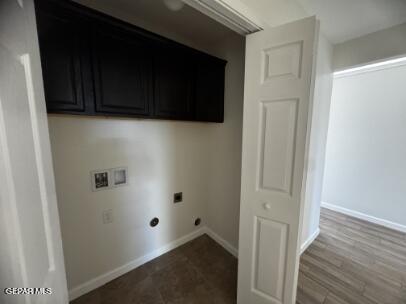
x: 108, y: 216
x: 119, y: 176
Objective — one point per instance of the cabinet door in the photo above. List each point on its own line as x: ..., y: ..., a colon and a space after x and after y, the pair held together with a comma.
x: 61, y: 46
x: 122, y: 62
x: 173, y: 83
x: 209, y: 91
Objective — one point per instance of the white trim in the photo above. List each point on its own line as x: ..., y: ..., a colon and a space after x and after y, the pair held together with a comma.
x: 231, y: 13
x: 119, y: 271
x: 26, y: 62
x: 10, y: 199
x: 377, y: 66
x: 226, y: 245
x: 365, y: 217
x: 309, y: 241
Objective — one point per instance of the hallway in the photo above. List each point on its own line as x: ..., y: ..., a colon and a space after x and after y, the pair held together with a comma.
x: 353, y: 261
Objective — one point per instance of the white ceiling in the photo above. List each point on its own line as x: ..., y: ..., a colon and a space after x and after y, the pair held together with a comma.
x: 186, y: 25
x: 343, y: 20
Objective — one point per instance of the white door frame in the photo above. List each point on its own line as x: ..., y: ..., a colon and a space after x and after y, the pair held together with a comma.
x: 231, y: 13
x: 32, y: 248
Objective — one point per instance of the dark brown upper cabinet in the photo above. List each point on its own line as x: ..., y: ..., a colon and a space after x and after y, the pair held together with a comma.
x: 174, y: 74
x: 123, y: 71
x: 209, y: 89
x: 62, y: 58
x: 94, y: 64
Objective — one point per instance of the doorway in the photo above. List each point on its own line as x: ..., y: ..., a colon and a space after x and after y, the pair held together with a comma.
x: 360, y: 254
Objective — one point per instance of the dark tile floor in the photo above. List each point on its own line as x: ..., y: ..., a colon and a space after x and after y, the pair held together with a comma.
x: 351, y: 262
x: 199, y: 272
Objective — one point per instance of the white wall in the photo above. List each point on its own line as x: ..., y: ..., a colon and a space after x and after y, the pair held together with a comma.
x: 366, y: 147
x: 201, y: 159
x: 226, y: 147
x: 318, y: 138
x: 276, y: 12
x: 373, y: 47
x: 162, y: 158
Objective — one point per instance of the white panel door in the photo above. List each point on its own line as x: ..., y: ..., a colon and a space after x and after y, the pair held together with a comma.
x: 277, y: 112
x: 31, y: 247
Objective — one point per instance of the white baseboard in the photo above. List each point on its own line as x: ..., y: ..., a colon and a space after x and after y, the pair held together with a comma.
x: 119, y: 271
x: 310, y: 240
x: 365, y: 217
x: 226, y: 245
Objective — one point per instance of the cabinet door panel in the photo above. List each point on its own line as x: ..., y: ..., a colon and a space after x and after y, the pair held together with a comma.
x: 123, y: 72
x: 61, y: 57
x: 209, y: 94
x: 173, y: 83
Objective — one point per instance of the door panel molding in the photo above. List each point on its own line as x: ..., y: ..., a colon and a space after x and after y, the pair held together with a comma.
x: 283, y: 61
x: 279, y: 81
x: 268, y: 233
x: 277, y: 150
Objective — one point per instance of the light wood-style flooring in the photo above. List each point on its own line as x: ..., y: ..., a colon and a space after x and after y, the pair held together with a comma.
x: 353, y: 262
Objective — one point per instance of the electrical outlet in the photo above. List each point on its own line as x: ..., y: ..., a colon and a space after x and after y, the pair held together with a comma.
x: 178, y: 197
x: 108, y: 216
